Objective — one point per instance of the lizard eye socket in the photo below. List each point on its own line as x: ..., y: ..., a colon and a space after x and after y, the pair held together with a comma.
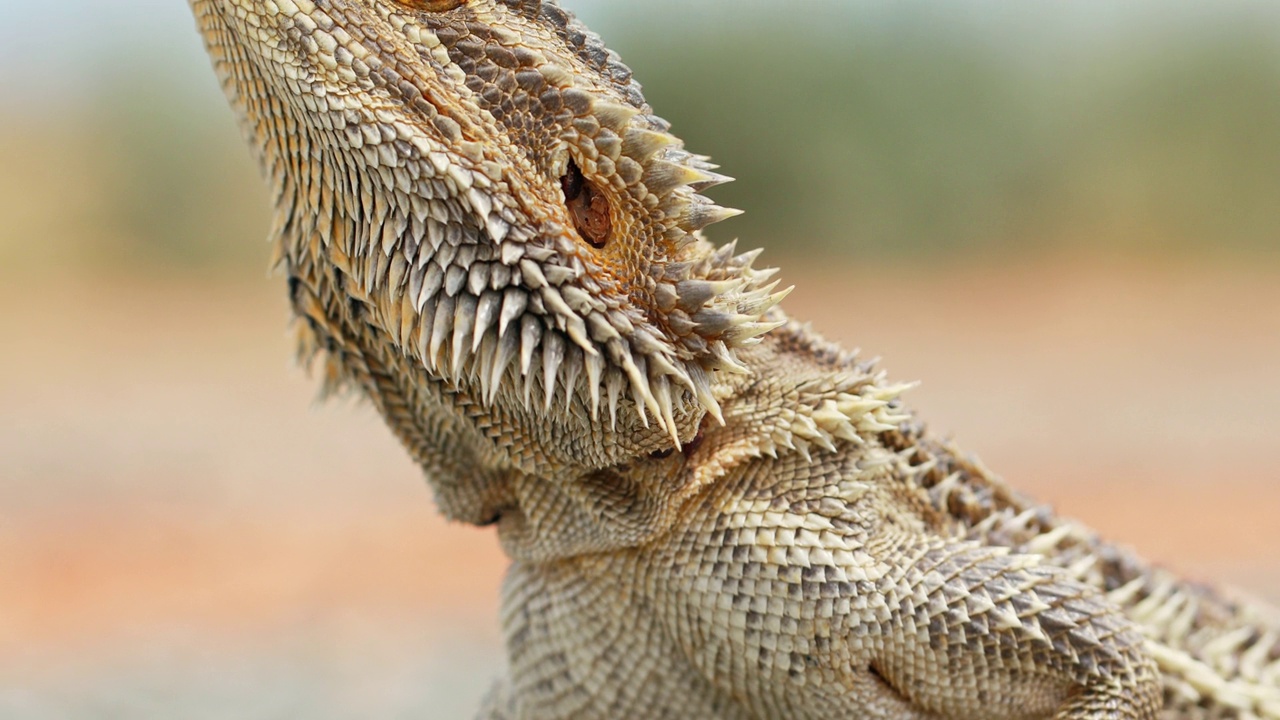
x: 587, y: 206
x: 433, y: 5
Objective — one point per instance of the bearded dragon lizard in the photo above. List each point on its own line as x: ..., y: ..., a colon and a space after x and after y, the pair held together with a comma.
x: 711, y: 511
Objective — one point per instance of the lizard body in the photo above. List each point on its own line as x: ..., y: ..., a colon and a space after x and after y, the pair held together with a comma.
x: 711, y: 511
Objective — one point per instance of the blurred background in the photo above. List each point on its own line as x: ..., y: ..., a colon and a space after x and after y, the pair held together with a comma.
x: 1063, y: 216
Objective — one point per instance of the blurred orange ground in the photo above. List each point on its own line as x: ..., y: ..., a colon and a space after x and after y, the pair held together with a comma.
x: 185, y: 529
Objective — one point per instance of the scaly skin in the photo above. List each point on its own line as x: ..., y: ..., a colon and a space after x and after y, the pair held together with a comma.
x: 711, y: 512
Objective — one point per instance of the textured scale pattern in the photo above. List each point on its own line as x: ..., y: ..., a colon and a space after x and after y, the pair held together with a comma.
x: 711, y: 512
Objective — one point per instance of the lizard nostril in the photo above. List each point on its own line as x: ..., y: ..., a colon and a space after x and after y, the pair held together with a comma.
x: 587, y: 206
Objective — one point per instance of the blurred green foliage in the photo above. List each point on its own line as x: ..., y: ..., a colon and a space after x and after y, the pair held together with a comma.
x: 914, y: 138
x: 922, y: 139
x: 183, y: 187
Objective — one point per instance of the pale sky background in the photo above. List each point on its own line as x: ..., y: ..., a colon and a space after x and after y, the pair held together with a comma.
x: 49, y: 50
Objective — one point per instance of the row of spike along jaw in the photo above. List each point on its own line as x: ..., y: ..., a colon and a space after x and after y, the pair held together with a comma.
x: 656, y: 332
x: 617, y: 296
x: 686, y: 306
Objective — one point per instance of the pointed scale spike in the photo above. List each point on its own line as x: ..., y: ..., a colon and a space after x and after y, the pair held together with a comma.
x: 659, y: 364
x: 711, y: 180
x: 723, y: 254
x: 640, y: 390
x: 426, y: 326
x: 748, y: 330
x: 702, y: 161
x: 693, y: 294
x: 640, y: 144
x: 701, y: 384
x: 661, y: 389
x: 530, y: 380
x: 508, y: 348
x: 481, y: 369
x: 595, y: 367
x: 441, y: 327
x: 760, y: 275
x: 760, y: 300
x: 613, y: 384
x: 530, y: 335
x: 455, y: 278
x: 497, y: 227
x: 432, y: 281
x: 397, y: 272
x: 614, y: 116
x: 408, y: 320
x: 514, y: 303
x: 464, y: 321
x: 416, y: 276
x: 486, y: 316
x: 577, y: 330
x: 662, y: 177
x: 553, y: 351
x: 700, y: 215
x: 711, y: 323
x: 746, y: 259
x: 721, y: 358
x: 572, y: 368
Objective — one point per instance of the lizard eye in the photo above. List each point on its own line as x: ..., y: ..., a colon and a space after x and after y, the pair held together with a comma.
x: 587, y: 206
x: 433, y: 5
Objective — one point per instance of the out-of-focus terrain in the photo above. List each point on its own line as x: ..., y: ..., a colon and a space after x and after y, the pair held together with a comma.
x: 1070, y: 232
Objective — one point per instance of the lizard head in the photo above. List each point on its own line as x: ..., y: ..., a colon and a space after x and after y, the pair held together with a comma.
x: 487, y: 181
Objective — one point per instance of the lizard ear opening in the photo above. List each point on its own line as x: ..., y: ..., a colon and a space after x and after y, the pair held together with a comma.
x: 587, y: 206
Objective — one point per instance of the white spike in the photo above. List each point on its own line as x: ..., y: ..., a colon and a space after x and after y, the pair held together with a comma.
x: 572, y: 368
x: 1167, y: 612
x: 408, y: 320
x: 1080, y: 568
x: 497, y: 227
x: 441, y: 327
x: 612, y: 115
x: 432, y: 281
x: 614, y: 382
x: 481, y: 368
x: 552, y: 359
x: 514, y: 303
x: 701, y: 385
x: 486, y: 316
x: 528, y: 389
x: 1226, y: 644
x: 1153, y: 600
x: 1125, y: 594
x: 641, y: 144
x: 507, y: 349
x: 530, y: 335
x: 425, y: 327
x: 464, y: 323
x: 1180, y: 627
x: 1254, y: 659
x: 1022, y: 521
x: 640, y: 390
x: 595, y: 367
x: 577, y: 331
x: 661, y: 388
